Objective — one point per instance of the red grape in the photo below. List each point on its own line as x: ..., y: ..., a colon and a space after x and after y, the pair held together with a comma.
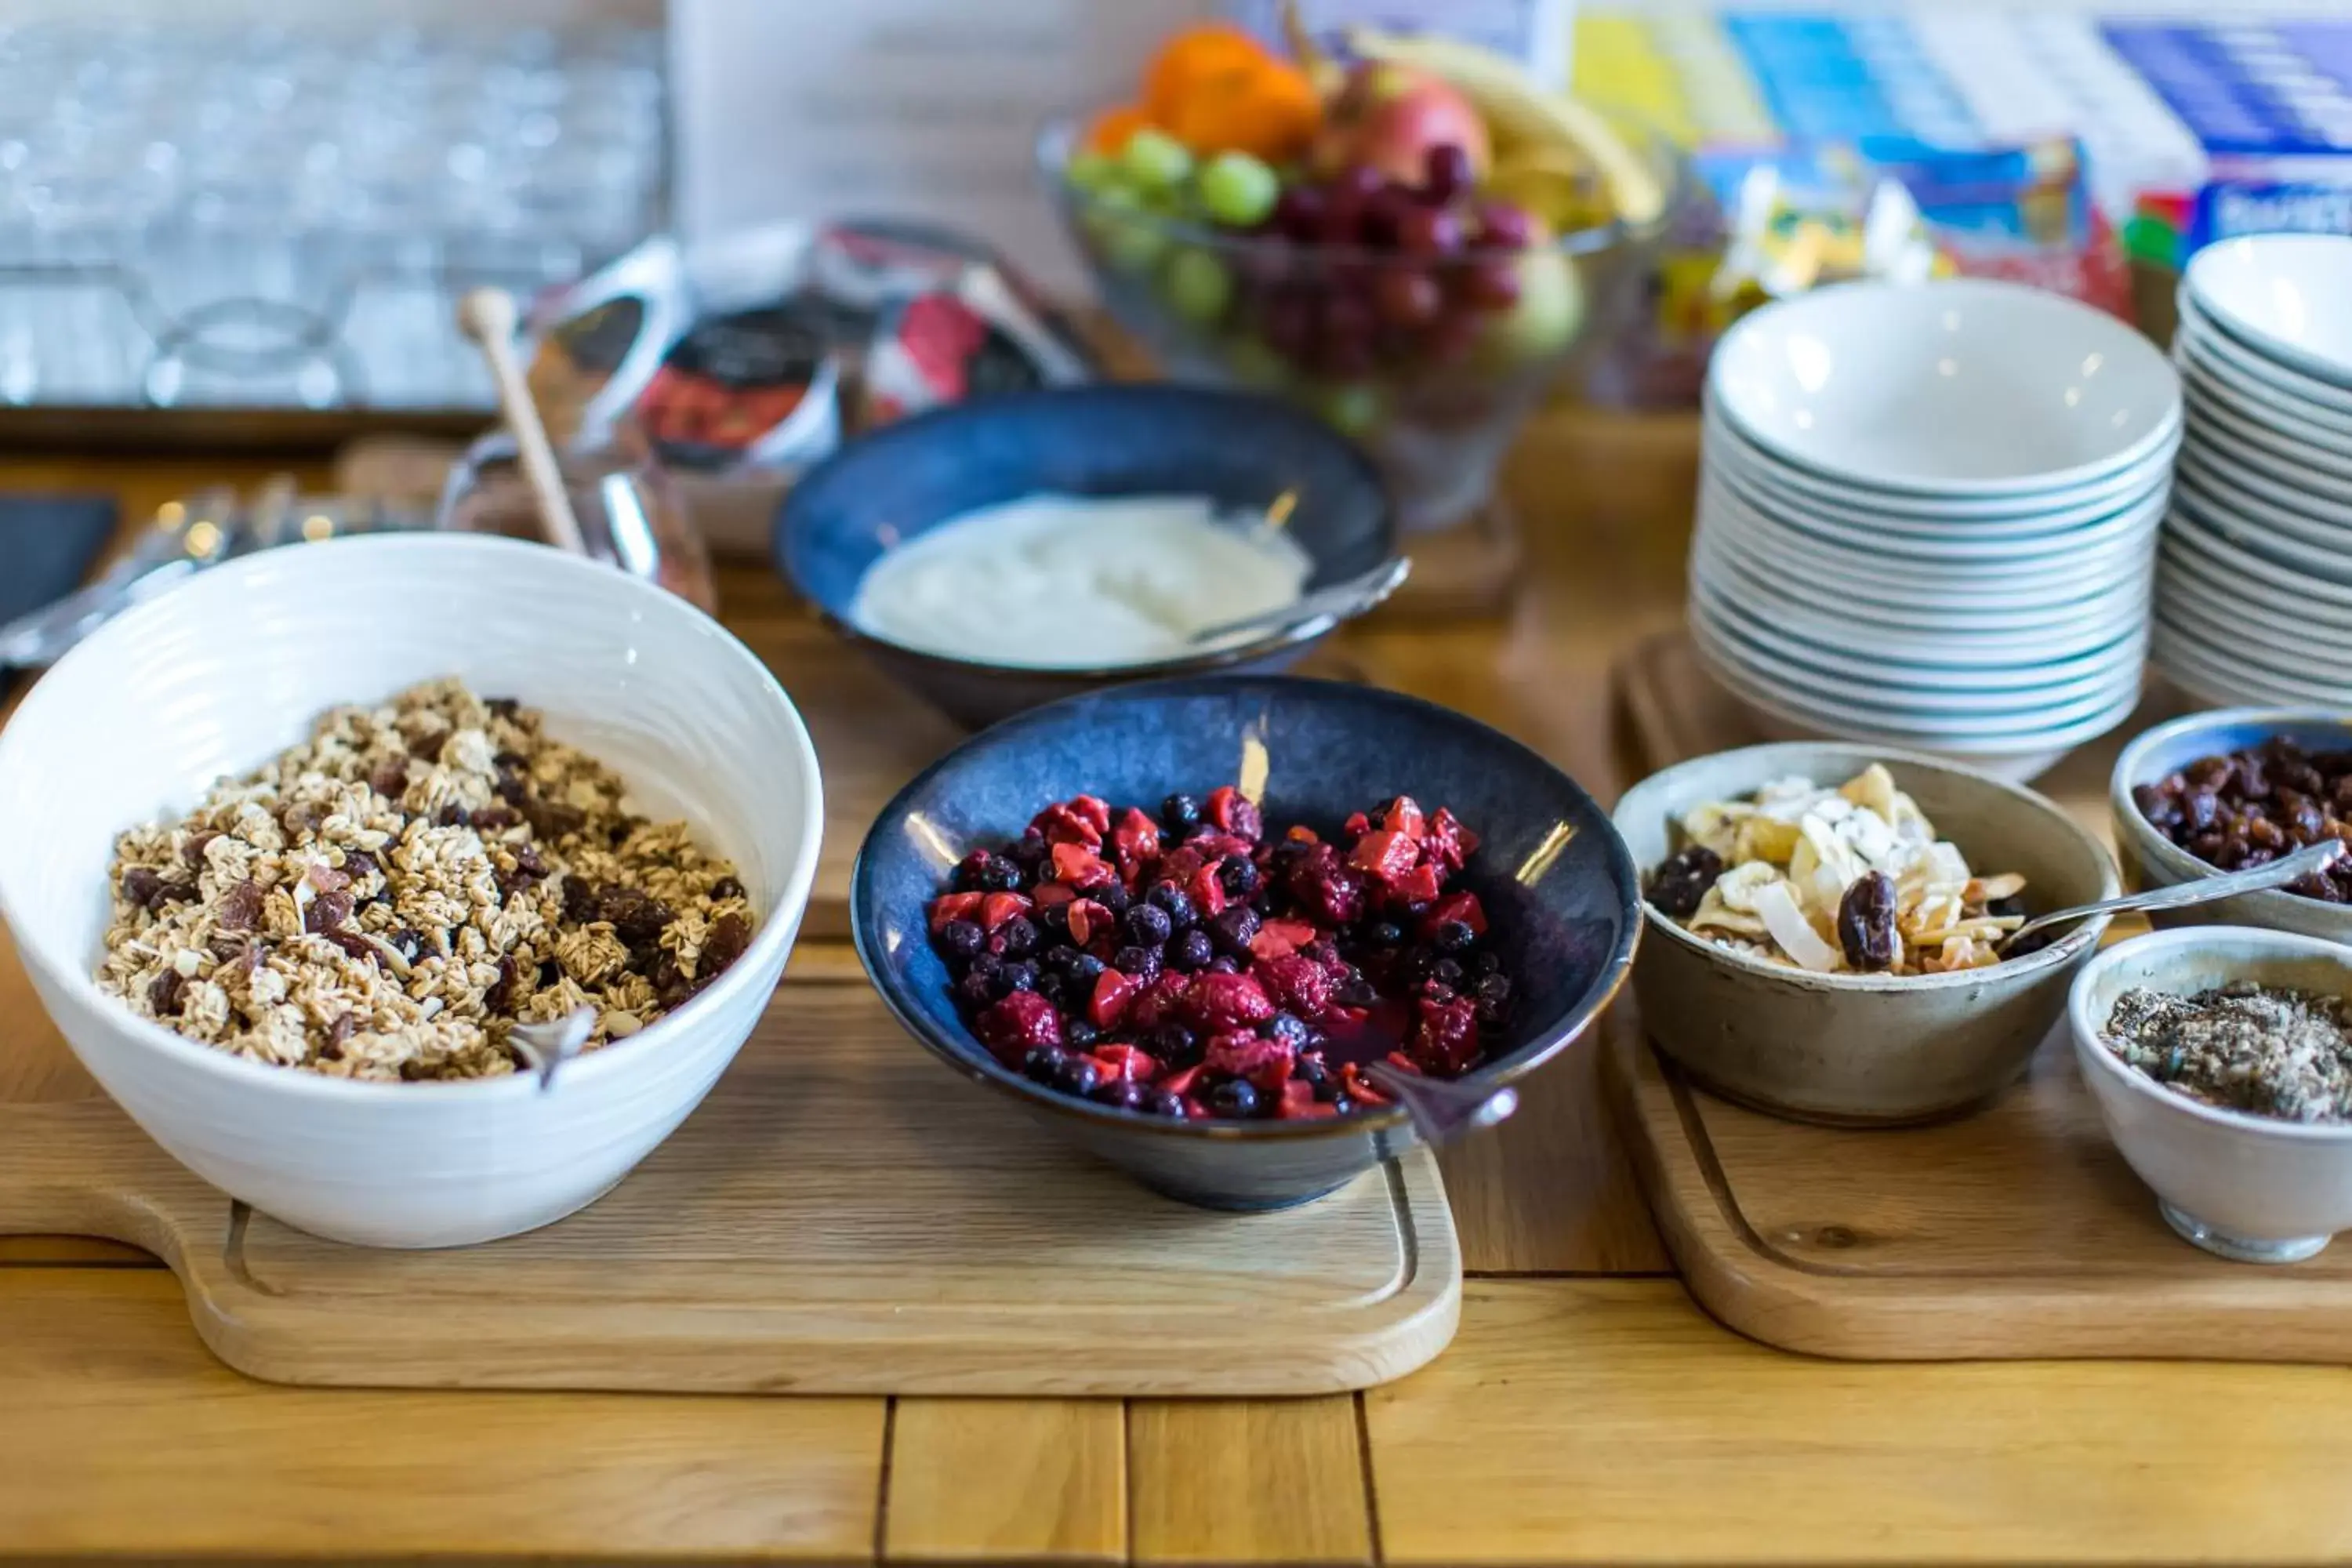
x: 1503, y: 226
x: 1384, y: 212
x: 1446, y: 172
x: 1287, y: 322
x: 1343, y: 337
x: 1358, y: 180
x: 1492, y: 284
x: 1449, y: 337
x: 1298, y: 213
x: 1406, y: 296
x: 1429, y: 231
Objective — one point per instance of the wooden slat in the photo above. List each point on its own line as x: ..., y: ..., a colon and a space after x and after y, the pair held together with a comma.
x: 1610, y: 1421
x: 121, y: 1437
x: 1029, y: 1481
x: 52, y: 1251
x: 1229, y: 1482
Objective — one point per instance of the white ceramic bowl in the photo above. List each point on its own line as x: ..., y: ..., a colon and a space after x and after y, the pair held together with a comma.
x: 1947, y: 545
x: 2251, y: 1188
x: 2242, y: 483
x: 2192, y: 530
x: 2198, y: 359
x: 2294, y: 458
x: 1868, y: 607
x: 1962, y: 387
x: 2211, y: 340
x: 2287, y: 295
x: 1859, y: 509
x: 216, y: 676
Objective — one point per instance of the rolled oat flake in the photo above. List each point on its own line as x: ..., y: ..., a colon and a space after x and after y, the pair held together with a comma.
x: 2242, y: 1046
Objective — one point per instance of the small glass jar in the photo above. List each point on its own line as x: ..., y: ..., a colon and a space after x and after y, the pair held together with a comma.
x: 628, y: 507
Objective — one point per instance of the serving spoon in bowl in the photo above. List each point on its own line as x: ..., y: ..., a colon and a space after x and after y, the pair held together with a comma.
x: 1335, y: 600
x: 2305, y: 862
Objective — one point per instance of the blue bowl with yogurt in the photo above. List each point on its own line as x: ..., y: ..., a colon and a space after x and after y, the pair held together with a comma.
x: 1018, y: 550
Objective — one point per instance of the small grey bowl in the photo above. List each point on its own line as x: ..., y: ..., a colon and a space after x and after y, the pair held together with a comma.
x: 1862, y: 1051
x: 2152, y: 860
x: 2253, y: 1189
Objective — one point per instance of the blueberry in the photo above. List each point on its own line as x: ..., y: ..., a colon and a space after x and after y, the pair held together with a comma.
x: 1191, y: 950
x: 1029, y: 851
x: 1238, y: 878
x: 1234, y: 1096
x: 1122, y: 1094
x: 961, y: 939
x: 1002, y: 875
x: 1322, y: 1079
x: 1164, y: 1103
x: 986, y: 965
x: 1180, y: 812
x: 1077, y: 1033
x: 1291, y: 1031
x: 1355, y: 991
x: 975, y: 990
x: 1342, y: 1103
x: 1174, y: 1045
x: 1232, y: 928
x: 1170, y: 898
x: 1485, y: 964
x: 1138, y: 962
x: 1022, y: 976
x: 1493, y: 993
x: 1018, y: 937
x: 1055, y: 988
x: 1494, y: 988
x: 1113, y: 898
x: 1447, y: 973
x: 1086, y: 968
x: 1147, y: 925
x: 1380, y: 933
x: 1077, y: 1075
x: 970, y: 870
x: 1223, y: 966
x: 1057, y: 958
x: 1452, y: 936
x: 1043, y: 1064
x: 1053, y: 919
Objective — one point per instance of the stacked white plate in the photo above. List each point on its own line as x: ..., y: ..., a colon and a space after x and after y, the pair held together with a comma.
x: 1927, y: 518
x: 2255, y: 589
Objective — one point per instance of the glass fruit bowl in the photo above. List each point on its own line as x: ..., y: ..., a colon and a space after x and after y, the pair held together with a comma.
x: 1418, y: 319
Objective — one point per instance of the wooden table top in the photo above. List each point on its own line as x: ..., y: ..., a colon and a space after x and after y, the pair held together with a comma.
x: 1587, y: 1413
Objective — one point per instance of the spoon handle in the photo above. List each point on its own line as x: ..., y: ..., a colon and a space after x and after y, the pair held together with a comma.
x: 2293, y: 868
x: 487, y: 316
x: 1361, y: 591
x: 1442, y: 1111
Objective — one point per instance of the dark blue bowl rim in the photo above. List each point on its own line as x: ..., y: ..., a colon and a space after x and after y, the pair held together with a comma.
x: 983, y: 1068
x: 784, y: 543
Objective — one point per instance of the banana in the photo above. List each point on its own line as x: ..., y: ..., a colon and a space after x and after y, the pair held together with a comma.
x: 1519, y: 110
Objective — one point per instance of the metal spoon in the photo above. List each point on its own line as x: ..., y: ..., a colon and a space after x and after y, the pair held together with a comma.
x: 2295, y: 868
x: 543, y: 1048
x: 1442, y: 1111
x: 1334, y: 600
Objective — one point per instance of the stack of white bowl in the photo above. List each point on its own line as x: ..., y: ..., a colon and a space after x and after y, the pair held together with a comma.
x: 2255, y: 589
x: 1928, y: 515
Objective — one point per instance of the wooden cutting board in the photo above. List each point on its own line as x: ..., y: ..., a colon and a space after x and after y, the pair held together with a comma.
x: 843, y: 1214
x: 2017, y: 1232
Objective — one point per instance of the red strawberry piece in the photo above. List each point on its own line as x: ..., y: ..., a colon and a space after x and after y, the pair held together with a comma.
x: 1180, y: 1082
x: 1060, y: 824
x: 1404, y: 1063
x: 1135, y: 840
x: 1079, y: 866
x: 1094, y: 809
x: 1265, y: 1063
x: 1328, y: 890
x: 1271, y: 943
x: 1418, y: 886
x: 1404, y: 816
x: 1207, y: 893
x: 1179, y: 864
x: 1298, y: 1103
x: 955, y: 907
x: 1447, y: 842
x: 1113, y: 993
x: 1048, y: 894
x: 1088, y: 918
x: 1462, y: 906
x: 1161, y: 997
x: 1221, y: 847
x: 1387, y: 855
x: 1302, y: 834
x: 997, y: 908
x: 1445, y: 1038
x: 1358, y: 1088
x: 1017, y: 1025
x: 1356, y: 827
x: 1194, y: 1111
x: 1218, y: 1003
x: 1231, y: 811
x: 1124, y: 1061
x: 1298, y: 983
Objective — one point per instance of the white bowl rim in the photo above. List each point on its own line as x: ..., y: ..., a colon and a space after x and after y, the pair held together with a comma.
x: 2119, y: 338
x: 2210, y: 337
x: 2190, y: 521
x: 2281, y: 943
x: 619, y: 1056
x: 2203, y: 279
x: 2227, y: 380
x: 2074, y: 941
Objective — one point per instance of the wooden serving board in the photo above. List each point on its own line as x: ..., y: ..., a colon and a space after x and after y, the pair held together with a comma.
x: 2014, y: 1232
x: 843, y: 1214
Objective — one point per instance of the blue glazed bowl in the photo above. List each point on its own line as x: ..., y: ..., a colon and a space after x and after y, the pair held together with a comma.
x: 2152, y: 860
x: 1108, y: 439
x: 1559, y: 886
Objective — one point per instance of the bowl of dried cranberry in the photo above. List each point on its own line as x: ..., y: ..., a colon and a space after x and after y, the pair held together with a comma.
x: 2232, y: 788
x: 1179, y: 921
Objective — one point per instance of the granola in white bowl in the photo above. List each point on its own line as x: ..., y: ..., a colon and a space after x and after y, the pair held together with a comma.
x: 388, y: 898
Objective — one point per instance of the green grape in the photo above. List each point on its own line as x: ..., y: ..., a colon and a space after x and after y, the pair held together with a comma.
x: 1238, y: 190
x: 1155, y: 160
x: 1130, y: 238
x: 1353, y: 407
x: 1197, y: 286
x: 1093, y: 172
x: 1252, y: 364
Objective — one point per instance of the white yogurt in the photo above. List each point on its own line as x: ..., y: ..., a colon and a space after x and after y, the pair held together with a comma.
x: 1054, y: 582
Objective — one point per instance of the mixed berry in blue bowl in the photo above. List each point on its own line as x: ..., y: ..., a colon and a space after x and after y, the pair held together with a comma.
x: 1186, y: 964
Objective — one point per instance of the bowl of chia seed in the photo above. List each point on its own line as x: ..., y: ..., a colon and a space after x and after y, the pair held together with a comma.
x: 2221, y: 1062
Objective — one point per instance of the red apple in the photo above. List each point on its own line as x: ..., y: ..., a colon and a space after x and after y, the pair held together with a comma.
x: 1388, y: 117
